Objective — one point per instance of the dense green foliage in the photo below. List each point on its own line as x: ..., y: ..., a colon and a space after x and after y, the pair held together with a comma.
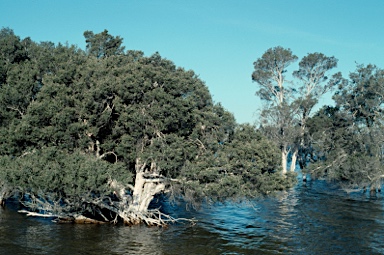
x: 56, y: 181
x: 348, y: 138
x: 71, y: 121
x: 248, y: 163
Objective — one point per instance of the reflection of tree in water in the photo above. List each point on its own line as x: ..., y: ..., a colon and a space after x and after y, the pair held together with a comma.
x: 238, y: 228
x: 177, y: 239
x: 109, y: 239
x: 204, y: 238
x: 136, y: 240
x: 332, y: 222
x: 312, y: 219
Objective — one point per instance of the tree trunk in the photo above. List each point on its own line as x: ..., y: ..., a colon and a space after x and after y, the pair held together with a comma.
x: 284, y: 158
x: 143, y: 193
x: 293, y: 160
x: 148, y: 183
x: 372, y: 190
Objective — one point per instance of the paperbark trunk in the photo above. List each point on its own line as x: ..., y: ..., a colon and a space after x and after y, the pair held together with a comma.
x: 284, y: 157
x: 293, y: 160
x: 148, y: 183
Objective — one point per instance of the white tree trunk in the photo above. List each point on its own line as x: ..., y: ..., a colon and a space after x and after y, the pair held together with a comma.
x: 144, y: 191
x: 148, y: 183
x: 293, y: 160
x: 284, y: 157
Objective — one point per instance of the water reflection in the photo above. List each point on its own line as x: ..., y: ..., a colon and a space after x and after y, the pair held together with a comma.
x: 311, y: 219
x: 305, y: 220
x: 135, y: 240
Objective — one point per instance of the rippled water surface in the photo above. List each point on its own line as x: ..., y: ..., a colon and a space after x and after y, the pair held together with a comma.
x: 315, y: 218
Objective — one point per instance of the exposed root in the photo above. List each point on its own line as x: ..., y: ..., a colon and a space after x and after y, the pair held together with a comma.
x: 149, y: 218
x: 35, y: 214
x: 79, y: 219
x: 153, y: 218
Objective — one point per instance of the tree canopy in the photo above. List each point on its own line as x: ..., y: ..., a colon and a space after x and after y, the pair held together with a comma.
x: 348, y: 137
x: 289, y: 103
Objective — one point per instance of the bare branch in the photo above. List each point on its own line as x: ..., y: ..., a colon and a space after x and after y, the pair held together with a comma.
x: 16, y: 109
x: 108, y: 153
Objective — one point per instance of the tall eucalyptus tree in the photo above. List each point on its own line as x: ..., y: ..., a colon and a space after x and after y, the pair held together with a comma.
x: 289, y: 103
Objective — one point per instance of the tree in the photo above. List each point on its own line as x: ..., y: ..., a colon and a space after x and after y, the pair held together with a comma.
x: 363, y: 95
x: 351, y: 141
x: 269, y: 74
x: 284, y: 117
x: 105, y: 135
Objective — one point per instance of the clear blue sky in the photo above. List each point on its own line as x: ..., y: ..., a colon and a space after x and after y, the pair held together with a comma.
x: 219, y: 40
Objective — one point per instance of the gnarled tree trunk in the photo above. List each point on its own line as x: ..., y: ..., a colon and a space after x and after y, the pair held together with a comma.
x: 134, y: 209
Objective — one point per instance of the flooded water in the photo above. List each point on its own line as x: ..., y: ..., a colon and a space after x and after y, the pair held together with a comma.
x: 315, y: 218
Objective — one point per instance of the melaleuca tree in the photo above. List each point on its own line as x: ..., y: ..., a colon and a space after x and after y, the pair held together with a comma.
x: 156, y: 119
x: 363, y: 95
x: 350, y: 135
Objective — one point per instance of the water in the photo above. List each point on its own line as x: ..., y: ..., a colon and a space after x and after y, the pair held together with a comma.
x: 315, y: 218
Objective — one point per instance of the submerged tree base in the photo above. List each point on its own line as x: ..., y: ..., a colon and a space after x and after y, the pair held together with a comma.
x: 79, y: 219
x: 150, y: 218
x: 153, y: 218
